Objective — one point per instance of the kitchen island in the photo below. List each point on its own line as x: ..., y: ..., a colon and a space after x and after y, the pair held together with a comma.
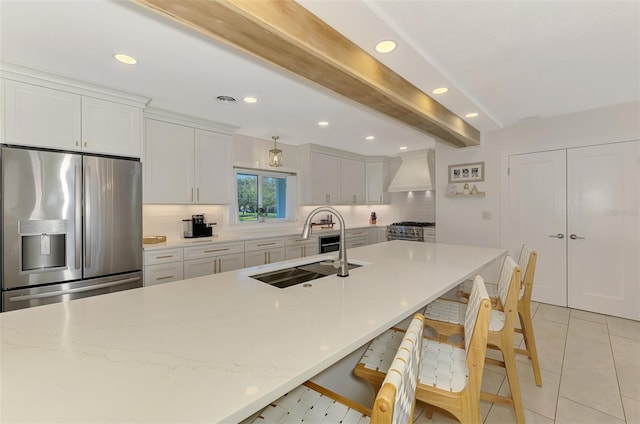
x: 216, y: 348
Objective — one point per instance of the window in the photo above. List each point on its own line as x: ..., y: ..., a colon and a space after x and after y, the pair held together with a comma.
x: 261, y: 195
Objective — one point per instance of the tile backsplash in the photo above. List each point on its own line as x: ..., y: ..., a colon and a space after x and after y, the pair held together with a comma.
x: 412, y: 206
x: 167, y: 219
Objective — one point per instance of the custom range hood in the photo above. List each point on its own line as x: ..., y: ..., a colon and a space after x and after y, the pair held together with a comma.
x: 415, y: 173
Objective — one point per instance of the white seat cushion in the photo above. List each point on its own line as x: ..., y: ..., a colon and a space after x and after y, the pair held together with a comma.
x: 381, y: 351
x: 441, y: 365
x: 452, y: 312
x: 305, y: 404
x: 492, y: 288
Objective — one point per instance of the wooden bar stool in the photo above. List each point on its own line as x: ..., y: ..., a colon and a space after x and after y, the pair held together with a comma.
x: 527, y: 263
x: 446, y: 317
x: 450, y: 377
x: 394, y: 403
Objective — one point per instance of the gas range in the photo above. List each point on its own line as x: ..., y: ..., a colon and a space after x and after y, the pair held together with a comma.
x: 412, y: 231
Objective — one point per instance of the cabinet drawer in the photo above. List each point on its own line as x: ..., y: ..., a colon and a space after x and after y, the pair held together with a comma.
x: 211, y: 250
x: 162, y: 273
x: 163, y: 256
x: 261, y: 244
x: 357, y: 241
x: 298, y: 241
x: 357, y: 233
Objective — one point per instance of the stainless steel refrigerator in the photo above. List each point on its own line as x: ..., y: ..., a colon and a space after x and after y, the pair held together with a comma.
x: 71, y: 226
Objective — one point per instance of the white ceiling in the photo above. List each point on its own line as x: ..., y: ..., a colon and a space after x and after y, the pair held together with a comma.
x: 507, y: 60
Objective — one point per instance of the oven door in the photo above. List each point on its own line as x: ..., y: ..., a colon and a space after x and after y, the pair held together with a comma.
x: 329, y: 244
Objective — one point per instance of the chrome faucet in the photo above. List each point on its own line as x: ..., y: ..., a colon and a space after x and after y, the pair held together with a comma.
x: 341, y: 263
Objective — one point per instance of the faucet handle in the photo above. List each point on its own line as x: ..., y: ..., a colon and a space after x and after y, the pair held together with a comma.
x: 337, y: 263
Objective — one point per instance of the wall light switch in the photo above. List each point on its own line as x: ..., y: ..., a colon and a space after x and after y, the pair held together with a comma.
x: 486, y: 215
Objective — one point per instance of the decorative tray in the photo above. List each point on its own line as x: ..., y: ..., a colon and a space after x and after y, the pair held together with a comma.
x: 154, y: 239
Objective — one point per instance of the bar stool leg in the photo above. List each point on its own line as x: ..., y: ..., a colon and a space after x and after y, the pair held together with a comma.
x: 524, y: 313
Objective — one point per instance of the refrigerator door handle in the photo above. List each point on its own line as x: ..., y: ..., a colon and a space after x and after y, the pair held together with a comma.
x: 78, y: 218
x: 87, y: 218
x: 24, y: 297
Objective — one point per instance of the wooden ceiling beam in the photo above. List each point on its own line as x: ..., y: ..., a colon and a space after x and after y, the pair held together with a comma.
x: 287, y: 35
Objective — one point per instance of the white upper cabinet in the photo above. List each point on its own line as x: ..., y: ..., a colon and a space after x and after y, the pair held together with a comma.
x: 40, y: 116
x: 213, y: 170
x: 376, y: 173
x: 352, y: 189
x: 111, y: 128
x: 332, y: 177
x: 323, y: 182
x: 168, y: 163
x: 184, y: 165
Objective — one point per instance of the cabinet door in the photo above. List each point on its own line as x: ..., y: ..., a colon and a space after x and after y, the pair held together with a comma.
x: 213, y: 167
x: 230, y: 262
x: 39, y: 116
x: 259, y: 257
x: 324, y: 179
x: 111, y: 128
x: 311, y: 249
x: 374, y: 172
x: 276, y: 255
x: 168, y: 163
x: 199, y: 267
x: 294, y: 252
x: 352, y: 190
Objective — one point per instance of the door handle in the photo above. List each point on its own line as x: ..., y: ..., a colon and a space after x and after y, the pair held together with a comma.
x: 559, y: 235
x: 575, y: 237
x: 87, y: 218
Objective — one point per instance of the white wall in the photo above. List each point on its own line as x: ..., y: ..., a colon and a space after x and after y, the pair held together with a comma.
x: 460, y: 220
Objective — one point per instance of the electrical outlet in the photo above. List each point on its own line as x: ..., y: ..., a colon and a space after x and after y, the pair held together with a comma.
x: 486, y: 215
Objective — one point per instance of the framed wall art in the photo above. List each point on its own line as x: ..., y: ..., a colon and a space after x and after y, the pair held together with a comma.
x: 466, y: 173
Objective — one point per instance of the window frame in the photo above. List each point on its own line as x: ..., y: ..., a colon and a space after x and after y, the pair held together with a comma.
x: 289, y: 213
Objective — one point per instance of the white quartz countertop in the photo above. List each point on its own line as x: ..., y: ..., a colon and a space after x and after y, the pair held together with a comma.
x: 254, y: 233
x: 215, y: 348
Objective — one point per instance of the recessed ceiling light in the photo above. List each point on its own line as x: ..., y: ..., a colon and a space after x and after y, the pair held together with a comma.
x: 250, y: 100
x: 323, y: 123
x: 403, y: 148
x: 125, y: 58
x: 386, y: 46
x: 471, y: 115
x: 370, y: 137
x: 225, y: 99
x: 440, y: 90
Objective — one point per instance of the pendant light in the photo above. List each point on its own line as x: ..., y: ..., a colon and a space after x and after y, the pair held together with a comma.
x: 275, y: 154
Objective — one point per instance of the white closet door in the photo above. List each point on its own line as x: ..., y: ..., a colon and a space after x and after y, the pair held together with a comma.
x: 603, y: 203
x: 537, y: 217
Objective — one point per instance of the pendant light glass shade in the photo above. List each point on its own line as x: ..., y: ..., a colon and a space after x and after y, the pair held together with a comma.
x: 275, y: 154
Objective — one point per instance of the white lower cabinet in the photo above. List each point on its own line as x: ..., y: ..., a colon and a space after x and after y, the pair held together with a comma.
x: 214, y: 265
x: 301, y: 248
x: 357, y: 238
x: 162, y: 266
x: 213, y: 259
x: 264, y: 251
x: 163, y: 273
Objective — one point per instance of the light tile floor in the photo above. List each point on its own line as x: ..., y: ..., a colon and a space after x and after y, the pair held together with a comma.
x: 590, y: 365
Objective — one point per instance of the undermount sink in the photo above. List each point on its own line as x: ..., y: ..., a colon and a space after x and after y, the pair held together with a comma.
x: 292, y: 276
